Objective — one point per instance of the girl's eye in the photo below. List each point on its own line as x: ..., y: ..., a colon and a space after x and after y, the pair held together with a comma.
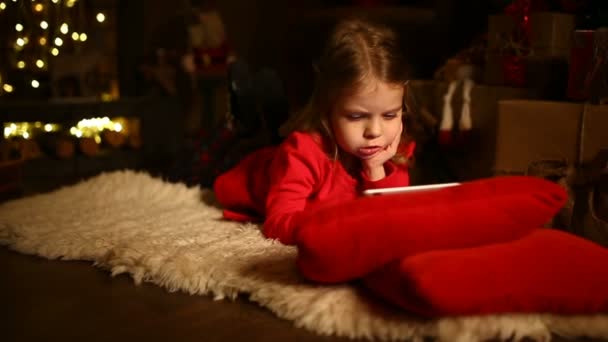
x: 390, y: 115
x: 354, y: 116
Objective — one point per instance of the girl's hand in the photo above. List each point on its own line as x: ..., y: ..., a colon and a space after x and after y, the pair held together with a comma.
x: 374, y: 166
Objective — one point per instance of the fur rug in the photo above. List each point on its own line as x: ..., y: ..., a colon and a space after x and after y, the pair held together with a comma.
x: 173, y: 236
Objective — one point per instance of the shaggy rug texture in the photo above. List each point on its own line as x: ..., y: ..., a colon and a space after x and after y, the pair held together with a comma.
x: 173, y: 236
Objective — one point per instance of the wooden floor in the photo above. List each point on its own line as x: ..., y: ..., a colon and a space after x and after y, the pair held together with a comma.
x: 43, y: 300
x: 51, y: 300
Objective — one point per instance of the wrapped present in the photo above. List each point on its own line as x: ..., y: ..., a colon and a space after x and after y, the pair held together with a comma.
x: 597, y: 80
x: 581, y: 59
x: 551, y: 33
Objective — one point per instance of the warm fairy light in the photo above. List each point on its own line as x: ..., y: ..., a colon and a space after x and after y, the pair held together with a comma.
x: 70, y: 3
x: 83, y: 37
x: 7, y: 132
x: 2, y: 6
x: 19, y: 27
x: 94, y: 126
x: 54, y: 1
x: 7, y: 88
x: 54, y: 51
x: 26, y: 40
x: 40, y: 63
x: 100, y: 17
x: 42, y: 41
x: 20, y: 64
x: 75, y: 35
x: 64, y: 28
x: 20, y: 41
x: 58, y: 41
x: 38, y: 8
x: 27, y: 130
x: 35, y: 84
x: 74, y: 131
x: 44, y: 25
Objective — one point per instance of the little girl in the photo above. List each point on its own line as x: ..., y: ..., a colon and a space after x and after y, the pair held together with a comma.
x: 354, y: 134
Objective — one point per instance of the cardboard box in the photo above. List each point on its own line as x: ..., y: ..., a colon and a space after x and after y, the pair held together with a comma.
x: 594, y: 131
x: 551, y: 33
x: 529, y: 131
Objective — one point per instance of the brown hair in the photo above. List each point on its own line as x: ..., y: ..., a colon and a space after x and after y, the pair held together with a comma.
x: 356, y: 51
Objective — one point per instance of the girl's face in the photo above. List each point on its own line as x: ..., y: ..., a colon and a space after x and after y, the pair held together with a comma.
x: 369, y: 119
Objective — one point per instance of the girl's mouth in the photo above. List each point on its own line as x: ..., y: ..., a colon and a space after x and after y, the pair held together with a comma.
x: 366, y: 152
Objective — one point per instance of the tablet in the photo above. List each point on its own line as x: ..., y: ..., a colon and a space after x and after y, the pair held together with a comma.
x: 401, y: 189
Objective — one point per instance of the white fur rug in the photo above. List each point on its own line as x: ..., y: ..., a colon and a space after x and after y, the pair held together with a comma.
x: 168, y: 235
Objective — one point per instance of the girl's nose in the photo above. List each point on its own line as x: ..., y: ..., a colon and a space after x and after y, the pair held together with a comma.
x: 372, y: 130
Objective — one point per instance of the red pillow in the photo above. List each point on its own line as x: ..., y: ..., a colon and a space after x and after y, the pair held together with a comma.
x: 348, y: 240
x: 546, y: 271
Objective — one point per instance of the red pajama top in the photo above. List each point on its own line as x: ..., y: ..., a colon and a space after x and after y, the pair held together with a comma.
x: 280, y: 184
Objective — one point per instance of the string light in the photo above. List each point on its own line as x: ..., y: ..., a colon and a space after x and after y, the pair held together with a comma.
x: 50, y: 24
x: 7, y: 88
x: 28, y: 130
x: 94, y: 126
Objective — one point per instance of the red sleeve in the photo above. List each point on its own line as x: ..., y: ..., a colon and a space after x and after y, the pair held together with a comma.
x: 294, y: 175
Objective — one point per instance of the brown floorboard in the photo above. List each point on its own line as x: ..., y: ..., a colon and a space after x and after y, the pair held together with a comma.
x: 45, y: 300
x: 51, y: 300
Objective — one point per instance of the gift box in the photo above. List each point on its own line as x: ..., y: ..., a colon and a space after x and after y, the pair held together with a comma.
x: 529, y: 131
x: 551, y: 33
x: 580, y: 63
x: 593, y: 132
